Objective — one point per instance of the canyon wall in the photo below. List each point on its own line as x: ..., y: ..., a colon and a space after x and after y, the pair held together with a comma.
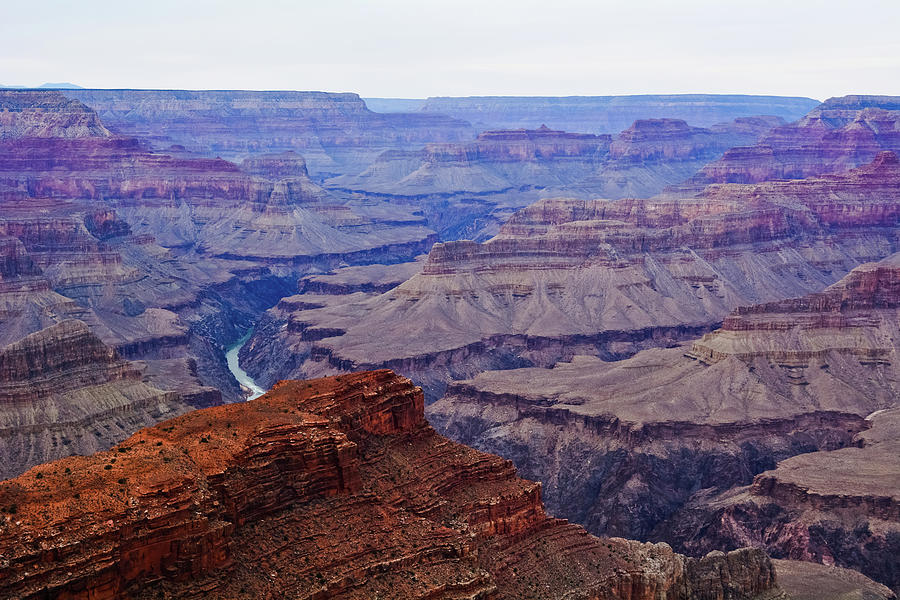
x: 566, y: 277
x: 840, y: 134
x: 649, y: 155
x: 322, y: 489
x: 776, y: 430
x: 62, y: 392
x: 609, y: 114
x: 466, y: 190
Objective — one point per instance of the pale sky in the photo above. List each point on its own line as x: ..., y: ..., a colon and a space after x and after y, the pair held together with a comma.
x: 419, y: 48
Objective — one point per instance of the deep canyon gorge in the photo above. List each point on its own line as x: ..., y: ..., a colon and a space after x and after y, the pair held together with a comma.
x: 630, y: 347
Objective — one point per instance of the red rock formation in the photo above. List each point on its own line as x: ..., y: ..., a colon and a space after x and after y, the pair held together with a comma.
x: 333, y: 131
x: 335, y: 487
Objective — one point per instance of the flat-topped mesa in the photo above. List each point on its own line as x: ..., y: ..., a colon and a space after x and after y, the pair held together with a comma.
x: 658, y: 139
x: 45, y: 114
x: 839, y: 134
x: 521, y: 145
x: 276, y: 166
x: 333, y: 487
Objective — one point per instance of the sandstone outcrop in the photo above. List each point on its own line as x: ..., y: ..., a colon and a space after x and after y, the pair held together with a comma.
x: 606, y: 278
x: 330, y: 488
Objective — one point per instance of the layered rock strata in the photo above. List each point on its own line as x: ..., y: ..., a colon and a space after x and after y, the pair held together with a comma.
x: 63, y: 392
x: 567, y: 277
x: 840, y: 134
x: 467, y: 190
x: 329, y: 488
x: 664, y: 445
x: 837, y: 508
x: 167, y: 256
x: 336, y: 132
x: 803, y: 580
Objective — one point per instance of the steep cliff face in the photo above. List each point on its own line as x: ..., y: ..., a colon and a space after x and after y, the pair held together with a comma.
x: 840, y: 134
x: 839, y: 508
x: 329, y: 488
x: 609, y: 114
x: 335, y: 132
x: 567, y: 277
x: 63, y: 392
x: 662, y: 445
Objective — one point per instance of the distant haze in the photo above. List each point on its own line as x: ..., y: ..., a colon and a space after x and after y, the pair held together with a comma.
x: 415, y: 48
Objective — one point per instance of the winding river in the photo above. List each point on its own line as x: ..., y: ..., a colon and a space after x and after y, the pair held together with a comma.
x: 231, y: 356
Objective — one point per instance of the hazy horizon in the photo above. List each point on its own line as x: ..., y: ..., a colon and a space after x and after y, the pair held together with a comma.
x: 405, y: 49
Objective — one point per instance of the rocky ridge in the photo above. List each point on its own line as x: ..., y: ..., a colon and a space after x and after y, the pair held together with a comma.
x: 840, y: 134
x: 682, y: 444
x: 609, y: 114
x: 566, y: 277
x: 366, y: 500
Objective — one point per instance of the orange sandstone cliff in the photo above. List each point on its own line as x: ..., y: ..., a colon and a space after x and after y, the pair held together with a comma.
x: 332, y: 488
